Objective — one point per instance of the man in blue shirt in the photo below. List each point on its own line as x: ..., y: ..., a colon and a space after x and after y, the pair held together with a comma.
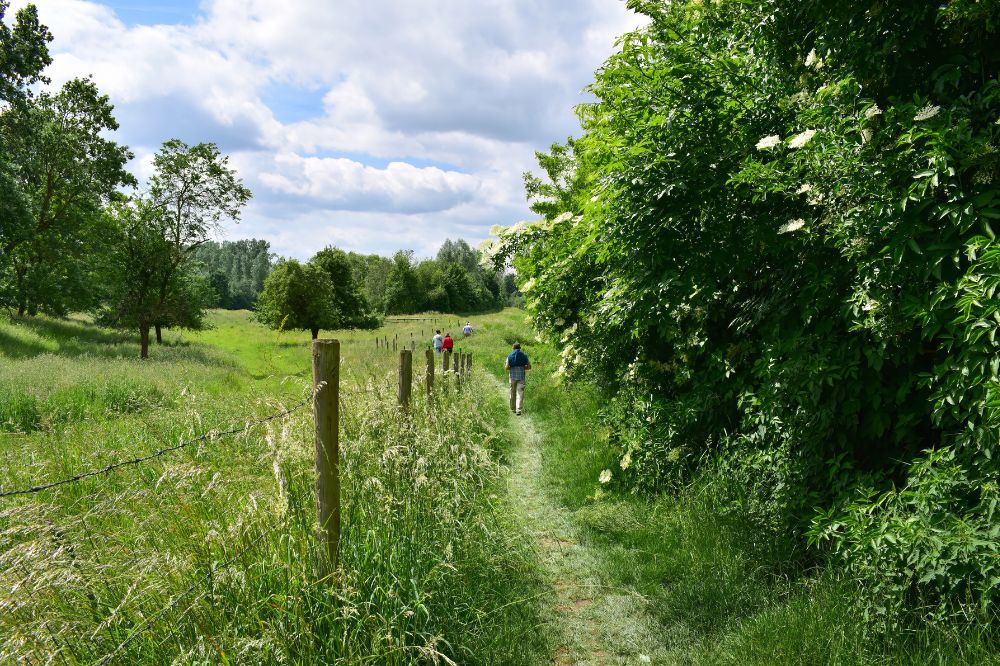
x: 516, y: 364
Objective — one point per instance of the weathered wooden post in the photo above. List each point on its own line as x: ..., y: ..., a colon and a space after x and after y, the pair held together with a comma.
x: 405, y: 377
x: 326, y: 411
x: 446, y: 365
x: 430, y: 372
x: 469, y: 371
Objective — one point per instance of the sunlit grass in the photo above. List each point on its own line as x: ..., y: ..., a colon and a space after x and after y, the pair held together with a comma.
x: 431, y: 565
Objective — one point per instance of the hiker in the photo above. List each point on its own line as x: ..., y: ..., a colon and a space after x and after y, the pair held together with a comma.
x: 438, y: 341
x: 447, y: 344
x: 516, y: 364
x: 468, y: 329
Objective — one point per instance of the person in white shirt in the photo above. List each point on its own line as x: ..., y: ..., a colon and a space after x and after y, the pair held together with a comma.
x: 468, y: 329
x: 438, y: 341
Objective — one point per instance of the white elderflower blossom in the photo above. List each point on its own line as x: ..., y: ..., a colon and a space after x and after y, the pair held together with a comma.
x: 626, y: 461
x: 794, y: 225
x: 768, y: 142
x: 605, y: 476
x: 866, y: 135
x: 496, y: 229
x: 805, y: 187
x: 927, y: 113
x: 563, y: 218
x: 801, y: 139
x: 813, y: 60
x: 872, y: 111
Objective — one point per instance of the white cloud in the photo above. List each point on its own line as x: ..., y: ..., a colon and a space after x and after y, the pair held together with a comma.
x: 343, y: 184
x: 477, y: 85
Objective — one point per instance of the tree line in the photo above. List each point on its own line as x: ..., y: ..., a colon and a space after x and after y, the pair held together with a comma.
x: 337, y: 289
x: 774, y: 247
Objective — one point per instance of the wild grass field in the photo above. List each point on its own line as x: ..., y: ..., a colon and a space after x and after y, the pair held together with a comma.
x: 207, y: 555
x: 128, y: 567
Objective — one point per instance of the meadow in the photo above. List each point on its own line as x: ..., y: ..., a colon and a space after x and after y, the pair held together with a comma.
x: 208, y: 554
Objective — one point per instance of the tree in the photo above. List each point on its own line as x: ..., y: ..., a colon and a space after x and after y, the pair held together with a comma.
x: 349, y: 304
x: 24, y: 52
x: 135, y: 270
x: 193, y: 190
x: 297, y: 296
x: 23, y: 55
x: 219, y: 282
x: 66, y: 170
x: 402, y: 293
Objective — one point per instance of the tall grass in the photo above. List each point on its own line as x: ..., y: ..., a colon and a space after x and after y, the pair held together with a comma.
x: 432, y: 569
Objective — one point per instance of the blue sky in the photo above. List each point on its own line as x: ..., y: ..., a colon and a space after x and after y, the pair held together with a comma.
x: 151, y: 13
x: 370, y: 125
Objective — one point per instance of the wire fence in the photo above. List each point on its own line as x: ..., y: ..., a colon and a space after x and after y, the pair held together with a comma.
x: 378, y: 390
x: 107, y: 469
x: 148, y: 624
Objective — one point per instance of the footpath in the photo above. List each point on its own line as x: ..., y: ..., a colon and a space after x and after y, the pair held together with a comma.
x: 591, y: 624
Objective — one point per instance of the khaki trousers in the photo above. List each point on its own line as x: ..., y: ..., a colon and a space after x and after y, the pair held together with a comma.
x: 516, y: 394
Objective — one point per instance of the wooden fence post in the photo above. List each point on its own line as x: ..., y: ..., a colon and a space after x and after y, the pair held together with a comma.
x: 446, y: 365
x: 405, y: 377
x: 430, y: 372
x: 469, y: 361
x: 326, y: 411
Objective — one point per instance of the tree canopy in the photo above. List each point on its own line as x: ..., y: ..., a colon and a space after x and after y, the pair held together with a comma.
x: 297, y: 296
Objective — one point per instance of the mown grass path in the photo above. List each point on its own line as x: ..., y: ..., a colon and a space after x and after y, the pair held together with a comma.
x: 590, y: 623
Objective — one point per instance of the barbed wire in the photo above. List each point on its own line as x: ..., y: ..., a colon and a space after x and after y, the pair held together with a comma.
x: 191, y: 588
x: 212, y: 434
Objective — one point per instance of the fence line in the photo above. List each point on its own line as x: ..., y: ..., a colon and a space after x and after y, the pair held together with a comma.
x: 173, y: 604
x: 156, y: 454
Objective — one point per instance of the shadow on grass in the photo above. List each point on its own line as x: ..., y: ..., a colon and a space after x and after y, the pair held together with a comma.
x: 74, y: 338
x: 16, y: 348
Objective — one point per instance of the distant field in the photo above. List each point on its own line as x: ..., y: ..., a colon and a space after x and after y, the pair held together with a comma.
x: 429, y: 560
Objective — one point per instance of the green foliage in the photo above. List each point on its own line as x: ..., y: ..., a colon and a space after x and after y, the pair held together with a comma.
x: 24, y: 52
x: 352, y: 311
x: 774, y: 243
x: 297, y: 297
x: 454, y: 281
x: 149, y: 271
x: 63, y: 170
x: 236, y: 269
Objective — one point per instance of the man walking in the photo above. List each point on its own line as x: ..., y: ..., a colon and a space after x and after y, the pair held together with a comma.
x: 516, y: 364
x: 438, y: 341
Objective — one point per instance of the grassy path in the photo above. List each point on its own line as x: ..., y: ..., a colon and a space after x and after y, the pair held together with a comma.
x: 590, y: 622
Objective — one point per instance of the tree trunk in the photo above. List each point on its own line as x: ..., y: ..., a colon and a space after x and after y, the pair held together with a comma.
x: 144, y: 341
x: 159, y: 335
x: 315, y: 333
x: 20, y: 308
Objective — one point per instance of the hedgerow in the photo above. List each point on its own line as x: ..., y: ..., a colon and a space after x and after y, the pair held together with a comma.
x: 774, y: 247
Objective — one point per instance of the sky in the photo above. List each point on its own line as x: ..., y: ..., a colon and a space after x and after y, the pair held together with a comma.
x: 373, y: 125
